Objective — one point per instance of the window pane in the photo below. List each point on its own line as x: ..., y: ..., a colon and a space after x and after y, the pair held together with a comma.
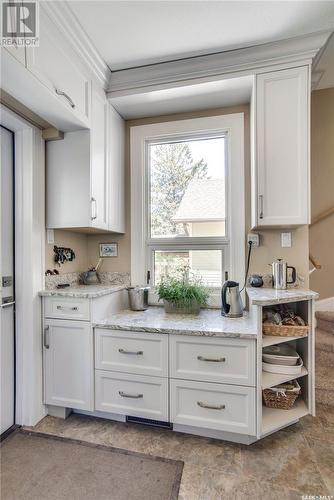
x: 207, y: 264
x: 187, y: 188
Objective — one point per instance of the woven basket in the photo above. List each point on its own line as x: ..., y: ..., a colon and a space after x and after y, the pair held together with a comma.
x: 283, y: 396
x: 285, y: 330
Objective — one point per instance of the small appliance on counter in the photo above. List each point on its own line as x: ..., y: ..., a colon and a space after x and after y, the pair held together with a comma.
x: 280, y: 274
x: 138, y: 297
x: 232, y: 308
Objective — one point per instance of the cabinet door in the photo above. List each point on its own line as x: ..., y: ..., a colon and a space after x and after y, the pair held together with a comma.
x: 116, y: 149
x: 54, y: 64
x: 282, y: 148
x: 99, y: 177
x: 68, y: 364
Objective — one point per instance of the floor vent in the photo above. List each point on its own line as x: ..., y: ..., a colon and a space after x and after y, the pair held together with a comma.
x: 147, y: 421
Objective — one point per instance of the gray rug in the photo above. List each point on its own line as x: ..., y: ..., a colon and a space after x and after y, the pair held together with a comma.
x: 40, y: 467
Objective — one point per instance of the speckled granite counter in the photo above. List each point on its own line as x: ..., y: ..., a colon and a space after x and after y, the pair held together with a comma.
x: 268, y: 296
x: 209, y: 323
x: 83, y: 291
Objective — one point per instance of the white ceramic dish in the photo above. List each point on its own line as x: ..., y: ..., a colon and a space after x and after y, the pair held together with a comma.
x: 283, y: 369
x: 280, y: 355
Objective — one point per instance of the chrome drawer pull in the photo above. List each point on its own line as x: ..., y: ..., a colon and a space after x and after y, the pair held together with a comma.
x: 213, y: 360
x: 133, y: 396
x: 60, y: 92
x: 137, y: 353
x: 93, y: 201
x: 261, y: 206
x: 46, y: 340
x: 211, y: 407
x: 61, y: 308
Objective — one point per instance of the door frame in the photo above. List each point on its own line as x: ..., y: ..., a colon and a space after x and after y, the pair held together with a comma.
x: 29, y: 194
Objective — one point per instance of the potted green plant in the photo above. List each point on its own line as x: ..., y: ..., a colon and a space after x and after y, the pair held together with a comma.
x: 182, y: 292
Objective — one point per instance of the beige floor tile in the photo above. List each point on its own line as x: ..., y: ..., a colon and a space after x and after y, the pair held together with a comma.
x: 323, y: 452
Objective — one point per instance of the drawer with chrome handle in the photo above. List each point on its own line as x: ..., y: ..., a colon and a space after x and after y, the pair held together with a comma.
x: 224, y: 407
x: 131, y: 352
x: 211, y: 360
x: 67, y: 308
x: 222, y: 360
x: 133, y: 395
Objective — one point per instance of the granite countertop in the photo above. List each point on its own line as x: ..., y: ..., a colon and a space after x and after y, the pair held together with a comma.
x: 209, y: 323
x: 269, y: 296
x: 82, y: 291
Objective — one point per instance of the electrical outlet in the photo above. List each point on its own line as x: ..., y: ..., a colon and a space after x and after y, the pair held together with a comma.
x: 286, y: 240
x: 254, y: 238
x: 50, y: 236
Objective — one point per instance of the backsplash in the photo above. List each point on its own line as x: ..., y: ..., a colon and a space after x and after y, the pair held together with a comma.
x: 73, y: 279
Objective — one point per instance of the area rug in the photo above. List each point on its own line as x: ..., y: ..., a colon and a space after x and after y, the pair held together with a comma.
x: 37, y: 466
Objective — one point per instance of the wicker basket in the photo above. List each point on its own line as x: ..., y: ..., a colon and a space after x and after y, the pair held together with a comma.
x: 285, y: 330
x: 282, y: 396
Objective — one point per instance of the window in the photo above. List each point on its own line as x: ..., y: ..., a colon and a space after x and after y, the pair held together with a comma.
x: 187, y: 200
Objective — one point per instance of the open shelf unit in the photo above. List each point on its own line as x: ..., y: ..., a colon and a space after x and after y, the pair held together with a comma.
x: 274, y: 419
x: 272, y: 379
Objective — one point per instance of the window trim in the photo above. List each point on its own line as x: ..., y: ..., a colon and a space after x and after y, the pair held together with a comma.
x: 233, y: 126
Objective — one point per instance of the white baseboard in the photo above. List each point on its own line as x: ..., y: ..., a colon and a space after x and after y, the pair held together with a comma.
x: 325, y: 304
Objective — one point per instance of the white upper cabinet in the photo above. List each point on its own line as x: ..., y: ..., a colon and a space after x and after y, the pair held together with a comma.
x: 280, y: 158
x: 84, y: 176
x: 55, y: 64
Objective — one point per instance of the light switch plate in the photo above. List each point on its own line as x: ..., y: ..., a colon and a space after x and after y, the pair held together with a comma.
x: 50, y: 236
x: 286, y: 240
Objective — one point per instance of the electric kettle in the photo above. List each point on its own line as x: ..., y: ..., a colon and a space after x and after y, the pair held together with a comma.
x: 233, y: 308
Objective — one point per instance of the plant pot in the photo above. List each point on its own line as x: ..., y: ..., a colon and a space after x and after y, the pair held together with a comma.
x: 176, y: 308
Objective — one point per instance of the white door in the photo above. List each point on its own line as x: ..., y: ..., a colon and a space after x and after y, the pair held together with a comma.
x: 7, y: 312
x: 99, y: 178
x: 68, y: 364
x: 282, y: 149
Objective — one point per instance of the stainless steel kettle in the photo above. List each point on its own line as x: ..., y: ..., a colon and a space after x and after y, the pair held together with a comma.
x: 280, y: 274
x: 233, y: 308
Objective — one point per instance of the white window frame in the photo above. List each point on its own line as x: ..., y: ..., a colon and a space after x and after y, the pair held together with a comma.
x: 232, y: 126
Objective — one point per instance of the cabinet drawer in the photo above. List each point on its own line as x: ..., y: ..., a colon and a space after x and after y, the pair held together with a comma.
x: 222, y: 407
x: 67, y: 308
x: 132, y: 395
x: 131, y: 352
x: 230, y: 361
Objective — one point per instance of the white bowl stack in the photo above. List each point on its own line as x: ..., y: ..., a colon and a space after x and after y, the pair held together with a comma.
x: 282, y: 359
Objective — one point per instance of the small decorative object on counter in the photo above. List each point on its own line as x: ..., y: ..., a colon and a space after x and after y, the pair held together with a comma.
x: 138, y: 297
x: 182, y: 292
x: 255, y: 280
x: 283, y: 396
x: 90, y: 277
x: 63, y: 254
x: 282, y: 321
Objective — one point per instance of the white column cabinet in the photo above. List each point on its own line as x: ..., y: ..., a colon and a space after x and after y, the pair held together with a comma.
x: 280, y: 157
x: 68, y: 364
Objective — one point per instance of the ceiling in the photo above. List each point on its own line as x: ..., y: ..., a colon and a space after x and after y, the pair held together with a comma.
x: 135, y: 33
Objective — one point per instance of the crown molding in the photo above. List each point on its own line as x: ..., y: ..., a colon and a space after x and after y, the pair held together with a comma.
x: 244, y: 60
x: 65, y: 20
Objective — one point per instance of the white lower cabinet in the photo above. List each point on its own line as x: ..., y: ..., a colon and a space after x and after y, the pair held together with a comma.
x: 68, y: 364
x: 132, y: 395
x: 222, y: 407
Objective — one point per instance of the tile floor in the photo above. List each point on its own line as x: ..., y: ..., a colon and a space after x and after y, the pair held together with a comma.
x: 293, y: 462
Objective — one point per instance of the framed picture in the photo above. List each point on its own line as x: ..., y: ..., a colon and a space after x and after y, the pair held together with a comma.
x: 108, y: 249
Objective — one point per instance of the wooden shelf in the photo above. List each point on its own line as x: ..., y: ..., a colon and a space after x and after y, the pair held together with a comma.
x: 272, y: 379
x: 275, y: 339
x: 274, y: 419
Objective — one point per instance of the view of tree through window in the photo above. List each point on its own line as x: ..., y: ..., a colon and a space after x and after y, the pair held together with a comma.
x: 187, y: 200
x: 187, y: 188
